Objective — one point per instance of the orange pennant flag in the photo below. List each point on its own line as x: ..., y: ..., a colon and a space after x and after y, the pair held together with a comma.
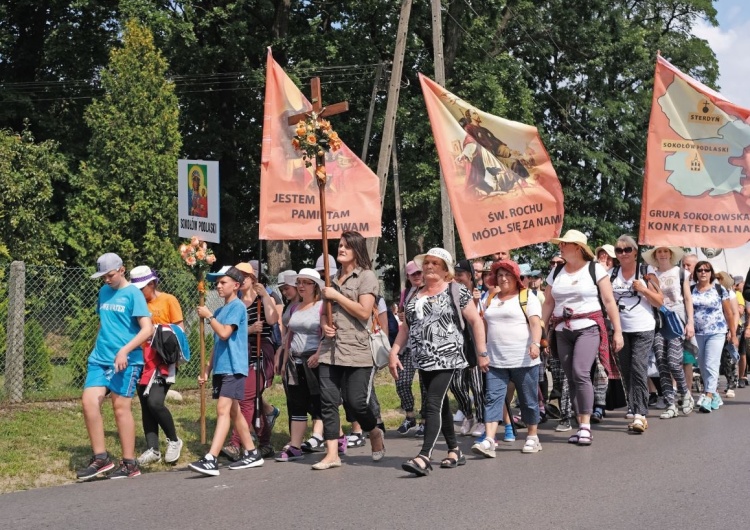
x: 695, y: 191
x: 502, y: 187
x: 289, y: 207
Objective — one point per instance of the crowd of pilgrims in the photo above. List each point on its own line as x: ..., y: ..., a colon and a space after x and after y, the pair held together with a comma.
x: 513, y: 346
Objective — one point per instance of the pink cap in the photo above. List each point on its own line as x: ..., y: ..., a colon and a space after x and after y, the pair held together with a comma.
x: 412, y: 267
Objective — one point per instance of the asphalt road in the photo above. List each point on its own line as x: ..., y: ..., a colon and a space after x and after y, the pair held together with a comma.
x: 685, y: 473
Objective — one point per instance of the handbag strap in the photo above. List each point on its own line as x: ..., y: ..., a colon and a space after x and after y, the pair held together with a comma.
x: 375, y: 322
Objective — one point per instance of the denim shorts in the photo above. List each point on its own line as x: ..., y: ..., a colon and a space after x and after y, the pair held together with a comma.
x: 122, y: 383
x: 231, y: 386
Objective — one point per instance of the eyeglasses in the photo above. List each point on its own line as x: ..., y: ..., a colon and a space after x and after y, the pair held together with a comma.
x: 555, y: 263
x: 625, y: 250
x: 703, y: 270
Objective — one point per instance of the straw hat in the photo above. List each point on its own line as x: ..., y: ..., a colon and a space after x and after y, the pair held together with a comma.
x: 576, y: 237
x: 650, y: 255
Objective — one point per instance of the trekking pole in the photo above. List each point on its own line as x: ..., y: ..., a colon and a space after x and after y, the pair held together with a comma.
x: 258, y: 368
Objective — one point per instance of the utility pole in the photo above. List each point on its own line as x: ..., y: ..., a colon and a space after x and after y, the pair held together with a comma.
x: 368, y: 128
x: 389, y: 127
x: 399, y: 227
x: 449, y: 239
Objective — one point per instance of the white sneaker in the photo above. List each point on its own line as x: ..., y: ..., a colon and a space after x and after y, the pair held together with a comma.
x: 173, y: 451
x: 485, y: 448
x: 458, y: 417
x: 532, y: 445
x: 478, y: 429
x: 729, y: 393
x: 149, y: 456
x: 467, y: 426
x: 688, y: 404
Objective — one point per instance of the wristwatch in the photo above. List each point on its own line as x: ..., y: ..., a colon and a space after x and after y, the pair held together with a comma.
x: 537, y: 344
x: 209, y: 319
x: 483, y: 354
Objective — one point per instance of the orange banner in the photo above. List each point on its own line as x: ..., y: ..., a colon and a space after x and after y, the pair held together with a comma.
x: 502, y: 187
x: 695, y: 191
x: 289, y: 198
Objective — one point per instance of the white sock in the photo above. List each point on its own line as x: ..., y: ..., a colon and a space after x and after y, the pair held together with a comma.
x: 209, y: 456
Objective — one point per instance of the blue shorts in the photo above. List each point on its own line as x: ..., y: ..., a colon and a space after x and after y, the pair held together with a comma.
x: 228, y: 385
x: 122, y: 383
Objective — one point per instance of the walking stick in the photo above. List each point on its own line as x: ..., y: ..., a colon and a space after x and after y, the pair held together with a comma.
x: 258, y: 368
x: 202, y: 337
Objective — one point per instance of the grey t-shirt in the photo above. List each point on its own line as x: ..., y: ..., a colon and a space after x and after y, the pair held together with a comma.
x: 305, y: 328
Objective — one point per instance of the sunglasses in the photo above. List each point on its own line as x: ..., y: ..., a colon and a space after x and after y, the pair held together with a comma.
x: 626, y: 250
x: 703, y: 270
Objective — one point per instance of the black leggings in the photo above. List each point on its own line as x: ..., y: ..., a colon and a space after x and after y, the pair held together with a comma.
x: 156, y: 414
x: 353, y: 386
x: 437, y: 412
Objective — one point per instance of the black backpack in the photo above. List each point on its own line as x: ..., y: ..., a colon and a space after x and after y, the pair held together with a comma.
x: 166, y: 345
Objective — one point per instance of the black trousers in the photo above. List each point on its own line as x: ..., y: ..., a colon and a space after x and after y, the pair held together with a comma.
x: 156, y: 414
x: 437, y: 412
x: 352, y: 385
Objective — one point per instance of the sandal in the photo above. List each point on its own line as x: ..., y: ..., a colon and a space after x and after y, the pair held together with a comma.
x: 639, y: 425
x: 313, y: 445
x: 573, y: 439
x: 584, y: 436
x: 670, y: 413
x: 450, y: 462
x: 377, y: 456
x: 412, y: 466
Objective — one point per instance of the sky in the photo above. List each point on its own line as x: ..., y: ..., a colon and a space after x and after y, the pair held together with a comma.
x: 730, y: 41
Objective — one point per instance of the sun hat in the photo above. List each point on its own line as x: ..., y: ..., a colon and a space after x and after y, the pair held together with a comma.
x: 332, y: 268
x: 286, y: 278
x: 246, y: 268
x: 508, y: 265
x: 142, y: 275
x: 227, y: 270
x: 411, y: 268
x: 609, y: 249
x: 464, y: 266
x: 525, y: 269
x: 106, y: 263
x: 576, y: 237
x: 309, y: 274
x: 440, y: 253
x: 738, y: 279
x: 650, y: 255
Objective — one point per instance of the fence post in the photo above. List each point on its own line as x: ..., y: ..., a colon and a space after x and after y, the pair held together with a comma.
x: 14, y: 352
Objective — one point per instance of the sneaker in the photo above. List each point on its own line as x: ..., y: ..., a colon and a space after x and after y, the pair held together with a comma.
x: 716, y: 401
x: 669, y: 413
x: 563, y: 426
x: 271, y: 418
x: 207, y: 465
x: 249, y: 459
x: 419, y: 433
x: 688, y: 404
x: 458, y: 417
x: 660, y: 403
x: 96, y: 467
x: 355, y: 439
x: 407, y: 425
x: 478, y: 429
x: 704, y: 404
x: 485, y: 448
x: 466, y: 427
x: 232, y: 452
x: 741, y: 383
x: 289, y: 454
x: 149, y: 456
x: 652, y: 399
x: 174, y: 448
x: 267, y: 451
x: 126, y: 470
x: 532, y: 445
x: 729, y: 393
x: 343, y: 444
x: 597, y: 415
x: 509, y: 436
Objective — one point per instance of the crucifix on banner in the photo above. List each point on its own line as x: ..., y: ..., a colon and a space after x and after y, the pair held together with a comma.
x: 314, y: 136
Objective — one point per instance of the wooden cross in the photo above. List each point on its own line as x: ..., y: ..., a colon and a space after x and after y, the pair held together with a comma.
x: 317, y: 103
x: 320, y: 173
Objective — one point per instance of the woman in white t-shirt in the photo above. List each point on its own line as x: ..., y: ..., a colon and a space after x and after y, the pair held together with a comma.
x: 514, y: 332
x: 675, y: 286
x: 636, y: 297
x: 576, y: 322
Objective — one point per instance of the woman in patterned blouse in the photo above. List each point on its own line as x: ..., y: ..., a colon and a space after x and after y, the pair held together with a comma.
x: 433, y: 327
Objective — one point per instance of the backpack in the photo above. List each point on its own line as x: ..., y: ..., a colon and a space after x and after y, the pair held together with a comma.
x: 170, y: 343
x: 470, y: 351
x: 523, y: 299
x: 392, y: 326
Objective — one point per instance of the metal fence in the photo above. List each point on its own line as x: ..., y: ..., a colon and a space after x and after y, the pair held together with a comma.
x: 48, y: 326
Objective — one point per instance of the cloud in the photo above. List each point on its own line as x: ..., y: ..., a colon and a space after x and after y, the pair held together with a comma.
x: 730, y: 44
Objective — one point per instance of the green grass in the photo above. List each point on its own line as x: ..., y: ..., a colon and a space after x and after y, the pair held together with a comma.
x: 41, y: 444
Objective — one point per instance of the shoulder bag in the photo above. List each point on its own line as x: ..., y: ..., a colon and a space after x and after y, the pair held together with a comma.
x: 379, y: 343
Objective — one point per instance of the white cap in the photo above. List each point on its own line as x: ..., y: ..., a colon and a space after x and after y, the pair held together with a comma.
x: 332, y: 268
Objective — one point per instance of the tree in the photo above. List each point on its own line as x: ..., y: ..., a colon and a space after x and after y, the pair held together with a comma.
x: 28, y: 172
x: 125, y: 198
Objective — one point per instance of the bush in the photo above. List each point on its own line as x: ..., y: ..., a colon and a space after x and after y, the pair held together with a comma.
x: 86, y: 326
x: 37, y: 362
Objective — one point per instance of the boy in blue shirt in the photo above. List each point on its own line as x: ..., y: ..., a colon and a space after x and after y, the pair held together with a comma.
x: 229, y: 363
x: 114, y: 367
